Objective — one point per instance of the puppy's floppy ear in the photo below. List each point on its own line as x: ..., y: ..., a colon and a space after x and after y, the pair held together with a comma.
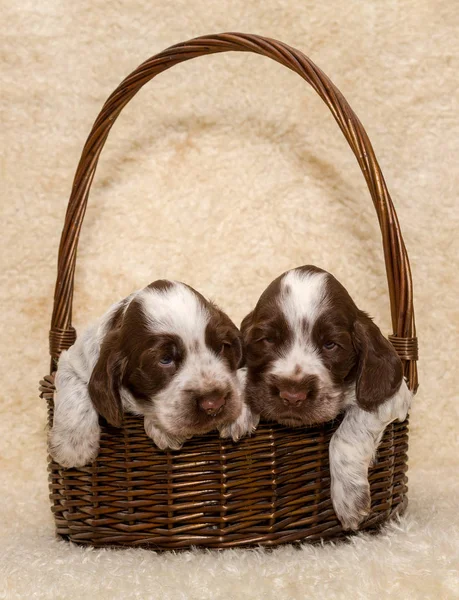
x: 246, y: 327
x: 379, y: 371
x: 104, y: 384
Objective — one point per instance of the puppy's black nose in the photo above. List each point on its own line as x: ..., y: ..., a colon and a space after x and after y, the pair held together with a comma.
x: 290, y: 398
x: 212, y: 403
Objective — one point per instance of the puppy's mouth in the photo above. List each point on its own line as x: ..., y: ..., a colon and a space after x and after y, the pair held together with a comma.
x: 216, y: 413
x: 321, y: 409
x: 290, y: 421
x: 307, y: 420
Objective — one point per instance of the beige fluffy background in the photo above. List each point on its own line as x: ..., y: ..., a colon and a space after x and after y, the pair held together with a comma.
x: 224, y: 172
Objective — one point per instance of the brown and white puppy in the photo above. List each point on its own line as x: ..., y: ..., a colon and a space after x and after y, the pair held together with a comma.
x: 164, y: 352
x: 311, y: 354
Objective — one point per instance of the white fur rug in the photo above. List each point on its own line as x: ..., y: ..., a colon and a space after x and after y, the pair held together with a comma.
x: 224, y: 172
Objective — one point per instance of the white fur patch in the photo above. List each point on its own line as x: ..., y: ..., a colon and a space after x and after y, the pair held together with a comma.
x: 301, y: 299
x: 74, y: 437
x: 353, y: 448
x: 161, y: 438
x: 247, y: 421
x: 176, y: 310
x: 302, y: 296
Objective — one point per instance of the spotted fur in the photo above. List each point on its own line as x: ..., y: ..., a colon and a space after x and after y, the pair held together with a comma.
x: 312, y: 354
x: 166, y: 353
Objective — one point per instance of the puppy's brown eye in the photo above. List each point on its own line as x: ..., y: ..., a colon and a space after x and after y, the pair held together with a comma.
x: 329, y: 345
x: 266, y: 339
x: 225, y: 346
x: 166, y: 360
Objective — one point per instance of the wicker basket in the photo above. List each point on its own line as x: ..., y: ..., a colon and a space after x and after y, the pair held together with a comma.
x: 271, y: 488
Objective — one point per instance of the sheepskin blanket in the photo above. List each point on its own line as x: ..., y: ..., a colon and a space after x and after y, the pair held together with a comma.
x: 224, y: 172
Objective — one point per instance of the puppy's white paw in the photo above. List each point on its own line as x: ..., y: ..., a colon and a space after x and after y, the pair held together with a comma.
x: 351, y: 501
x: 245, y: 424
x: 163, y: 440
x: 72, y: 449
x: 406, y: 396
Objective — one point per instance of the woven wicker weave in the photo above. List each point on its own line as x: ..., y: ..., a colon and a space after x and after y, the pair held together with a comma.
x: 268, y: 489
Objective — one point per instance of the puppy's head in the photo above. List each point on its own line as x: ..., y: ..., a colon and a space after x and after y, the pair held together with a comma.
x: 308, y: 347
x: 171, y: 355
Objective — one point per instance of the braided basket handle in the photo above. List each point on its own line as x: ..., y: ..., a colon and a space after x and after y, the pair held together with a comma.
x: 62, y: 334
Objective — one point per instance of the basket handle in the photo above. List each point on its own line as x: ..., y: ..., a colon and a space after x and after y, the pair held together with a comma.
x: 62, y: 334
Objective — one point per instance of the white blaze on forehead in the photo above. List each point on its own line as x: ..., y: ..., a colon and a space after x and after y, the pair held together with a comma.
x: 301, y: 299
x: 302, y: 296
x: 176, y: 310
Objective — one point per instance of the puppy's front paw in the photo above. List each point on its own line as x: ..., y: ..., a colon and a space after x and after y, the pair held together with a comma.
x: 351, y: 501
x: 404, y: 402
x: 245, y: 424
x: 71, y: 449
x: 162, y: 439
